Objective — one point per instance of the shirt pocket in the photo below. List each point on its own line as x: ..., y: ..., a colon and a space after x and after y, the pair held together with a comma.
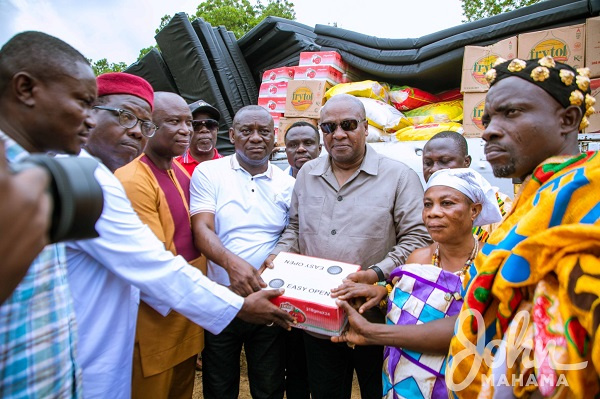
x: 310, y: 212
x: 373, y: 217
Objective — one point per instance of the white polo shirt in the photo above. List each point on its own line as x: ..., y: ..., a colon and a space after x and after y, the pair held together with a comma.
x: 250, y: 211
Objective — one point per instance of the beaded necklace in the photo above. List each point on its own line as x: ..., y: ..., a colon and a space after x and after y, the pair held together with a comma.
x: 436, y: 261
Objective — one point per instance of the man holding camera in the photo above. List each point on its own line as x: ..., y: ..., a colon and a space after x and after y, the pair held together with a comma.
x: 46, y: 93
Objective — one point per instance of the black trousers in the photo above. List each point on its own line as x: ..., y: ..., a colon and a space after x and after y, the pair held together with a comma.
x: 264, y: 347
x: 331, y: 367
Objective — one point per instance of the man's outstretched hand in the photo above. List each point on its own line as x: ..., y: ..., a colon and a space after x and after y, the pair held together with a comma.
x: 258, y: 309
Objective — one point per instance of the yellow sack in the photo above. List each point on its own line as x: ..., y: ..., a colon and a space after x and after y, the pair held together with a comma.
x: 452, y: 110
x: 383, y: 116
x: 366, y: 88
x: 427, y: 131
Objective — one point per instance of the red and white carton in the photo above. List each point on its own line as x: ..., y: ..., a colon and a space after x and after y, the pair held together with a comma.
x: 273, y: 89
x: 276, y: 118
x: 278, y: 74
x: 318, y: 72
x: 308, y: 282
x: 272, y: 104
x: 332, y: 58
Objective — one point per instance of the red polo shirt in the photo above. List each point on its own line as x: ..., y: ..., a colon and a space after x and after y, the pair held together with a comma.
x: 189, y: 163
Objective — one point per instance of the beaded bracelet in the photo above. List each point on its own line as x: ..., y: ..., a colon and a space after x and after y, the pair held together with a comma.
x: 388, y: 287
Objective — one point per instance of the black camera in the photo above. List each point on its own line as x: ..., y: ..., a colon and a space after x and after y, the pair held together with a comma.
x: 76, y: 195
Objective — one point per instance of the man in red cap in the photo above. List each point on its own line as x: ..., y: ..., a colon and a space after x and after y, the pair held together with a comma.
x: 108, y: 274
x: 203, y: 144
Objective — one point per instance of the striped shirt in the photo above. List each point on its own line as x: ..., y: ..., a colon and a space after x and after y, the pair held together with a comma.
x: 37, y: 326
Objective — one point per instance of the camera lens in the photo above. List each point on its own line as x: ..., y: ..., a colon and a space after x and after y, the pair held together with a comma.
x: 77, y: 196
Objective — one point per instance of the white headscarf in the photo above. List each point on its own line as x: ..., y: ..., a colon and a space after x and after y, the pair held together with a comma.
x: 475, y: 187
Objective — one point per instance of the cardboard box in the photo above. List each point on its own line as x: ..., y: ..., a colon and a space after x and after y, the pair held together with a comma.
x: 305, y: 98
x: 273, y: 89
x: 473, y: 104
x: 592, y: 46
x: 272, y: 104
x: 308, y: 282
x: 478, y: 60
x: 285, y: 123
x: 278, y: 74
x: 332, y: 58
x: 595, y: 117
x: 566, y: 44
x: 316, y: 72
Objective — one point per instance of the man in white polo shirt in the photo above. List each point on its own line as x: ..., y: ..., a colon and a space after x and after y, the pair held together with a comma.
x: 239, y: 206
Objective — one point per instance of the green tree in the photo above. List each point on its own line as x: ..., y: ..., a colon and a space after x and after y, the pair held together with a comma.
x: 103, y: 66
x: 478, y: 9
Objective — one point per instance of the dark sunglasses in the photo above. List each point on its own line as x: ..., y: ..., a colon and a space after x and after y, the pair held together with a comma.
x: 210, y: 124
x: 347, y: 125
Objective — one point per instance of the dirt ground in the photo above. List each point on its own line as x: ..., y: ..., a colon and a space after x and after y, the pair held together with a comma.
x: 245, y: 388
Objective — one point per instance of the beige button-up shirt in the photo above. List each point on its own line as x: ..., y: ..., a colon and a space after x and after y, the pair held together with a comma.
x: 375, y: 218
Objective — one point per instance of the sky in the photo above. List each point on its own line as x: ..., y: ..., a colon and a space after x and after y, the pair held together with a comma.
x: 118, y: 29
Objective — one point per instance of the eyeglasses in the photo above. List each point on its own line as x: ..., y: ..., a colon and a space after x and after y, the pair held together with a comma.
x: 129, y: 120
x: 347, y: 125
x: 210, y: 124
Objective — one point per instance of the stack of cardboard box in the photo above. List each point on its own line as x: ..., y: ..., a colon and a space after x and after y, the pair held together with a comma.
x: 315, y: 74
x: 273, y: 91
x: 476, y: 62
x: 567, y: 44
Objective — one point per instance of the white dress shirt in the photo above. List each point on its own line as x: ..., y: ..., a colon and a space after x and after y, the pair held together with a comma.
x: 106, y: 275
x: 250, y: 211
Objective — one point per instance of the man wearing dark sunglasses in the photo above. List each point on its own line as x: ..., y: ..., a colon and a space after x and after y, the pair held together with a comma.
x: 204, y: 139
x: 359, y: 207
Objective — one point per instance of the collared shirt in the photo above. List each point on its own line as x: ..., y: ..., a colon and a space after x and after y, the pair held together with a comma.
x: 289, y: 171
x: 374, y: 218
x: 250, y: 211
x: 189, y: 163
x: 106, y: 275
x: 37, y: 325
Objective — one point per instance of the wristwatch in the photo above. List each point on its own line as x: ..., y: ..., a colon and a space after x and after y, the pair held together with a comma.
x: 376, y: 269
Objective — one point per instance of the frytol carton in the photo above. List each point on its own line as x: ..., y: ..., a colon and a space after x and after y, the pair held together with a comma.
x: 308, y: 282
x: 566, y: 45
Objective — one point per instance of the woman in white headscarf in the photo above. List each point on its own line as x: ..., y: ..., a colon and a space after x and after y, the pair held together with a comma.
x: 424, y: 296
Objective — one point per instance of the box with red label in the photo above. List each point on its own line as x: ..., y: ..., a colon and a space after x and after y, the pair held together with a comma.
x: 332, y: 58
x: 305, y: 98
x: 278, y: 74
x: 478, y: 60
x: 594, y: 118
x: 473, y: 104
x: 316, y: 72
x: 592, y: 46
x: 566, y: 44
x: 277, y: 116
x: 308, y: 282
x: 272, y: 104
x: 273, y: 89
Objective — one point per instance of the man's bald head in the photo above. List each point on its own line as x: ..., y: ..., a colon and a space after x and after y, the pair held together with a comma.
x: 351, y: 101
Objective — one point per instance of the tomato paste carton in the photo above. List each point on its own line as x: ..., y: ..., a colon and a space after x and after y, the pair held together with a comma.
x: 319, y: 72
x: 278, y: 74
x: 592, y: 46
x: 305, y: 98
x: 308, y: 282
x: 332, y: 58
x: 478, y: 60
x: 473, y: 105
x: 272, y: 104
x: 277, y: 116
x: 273, y: 89
x: 566, y: 44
